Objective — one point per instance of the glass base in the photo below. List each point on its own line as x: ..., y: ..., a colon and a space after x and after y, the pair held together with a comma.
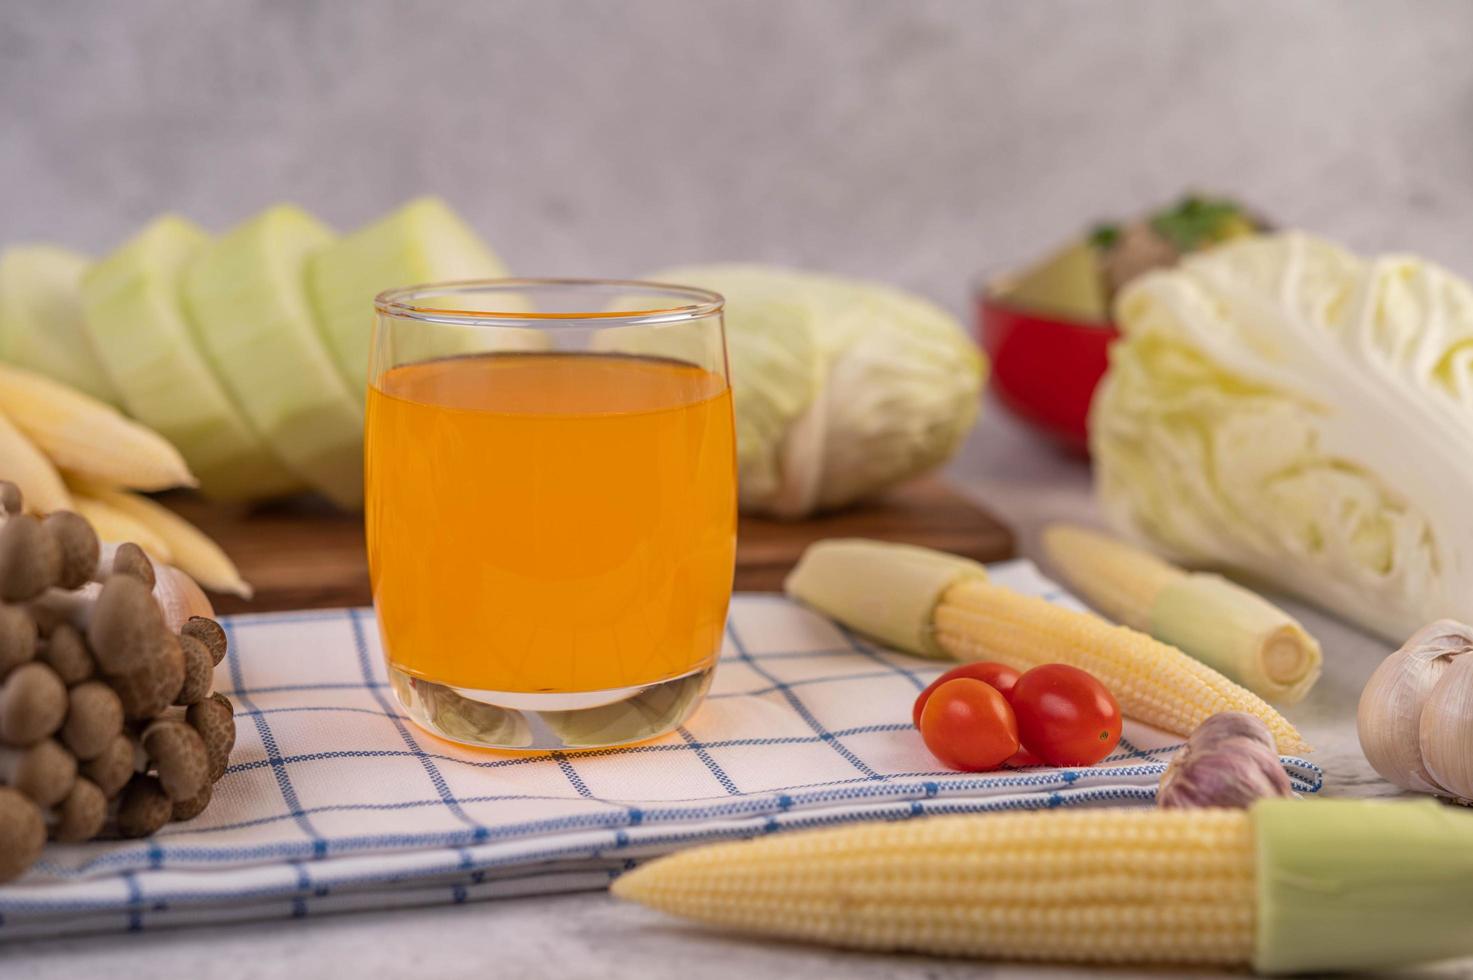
x: 547, y: 722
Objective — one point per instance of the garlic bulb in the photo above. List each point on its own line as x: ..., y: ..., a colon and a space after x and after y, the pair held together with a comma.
x: 1418, y: 706
x: 1231, y: 760
x: 1446, y: 730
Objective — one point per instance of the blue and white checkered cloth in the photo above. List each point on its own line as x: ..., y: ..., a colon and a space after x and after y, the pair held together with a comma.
x: 334, y: 802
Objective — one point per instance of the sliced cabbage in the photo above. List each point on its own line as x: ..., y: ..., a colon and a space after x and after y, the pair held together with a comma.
x: 1284, y: 409
x: 841, y: 388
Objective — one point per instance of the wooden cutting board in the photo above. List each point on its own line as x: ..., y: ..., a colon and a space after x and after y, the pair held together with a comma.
x: 304, y: 555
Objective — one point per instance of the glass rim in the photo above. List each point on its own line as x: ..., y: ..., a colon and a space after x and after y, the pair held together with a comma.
x: 400, y: 302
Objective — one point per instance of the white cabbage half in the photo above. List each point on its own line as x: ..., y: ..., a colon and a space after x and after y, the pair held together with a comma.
x: 841, y: 388
x: 1284, y: 409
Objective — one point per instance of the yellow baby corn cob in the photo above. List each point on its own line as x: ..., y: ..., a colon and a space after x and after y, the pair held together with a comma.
x: 190, y: 549
x: 1220, y: 623
x: 1289, y: 886
x: 114, y: 526
x: 83, y: 435
x: 28, y: 468
x: 1154, y: 683
x: 967, y: 617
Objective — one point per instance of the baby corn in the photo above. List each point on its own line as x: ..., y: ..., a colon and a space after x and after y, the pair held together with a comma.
x: 83, y: 435
x: 28, y: 468
x: 959, y: 612
x: 1289, y: 886
x: 1224, y: 625
x: 189, y: 548
x: 114, y: 526
x: 1154, y: 683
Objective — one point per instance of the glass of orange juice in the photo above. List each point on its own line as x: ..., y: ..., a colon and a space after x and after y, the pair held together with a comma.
x: 551, y: 506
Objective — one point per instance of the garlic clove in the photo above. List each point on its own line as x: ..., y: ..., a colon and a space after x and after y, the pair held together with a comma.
x: 1388, y: 719
x: 1445, y: 733
x: 179, y: 597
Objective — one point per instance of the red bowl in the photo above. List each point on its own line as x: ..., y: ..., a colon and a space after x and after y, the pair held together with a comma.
x: 1044, y: 368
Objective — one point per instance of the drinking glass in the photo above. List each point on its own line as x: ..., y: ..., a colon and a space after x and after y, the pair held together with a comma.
x: 551, y: 506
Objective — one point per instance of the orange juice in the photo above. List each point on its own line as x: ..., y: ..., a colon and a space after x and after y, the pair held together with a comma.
x: 550, y: 523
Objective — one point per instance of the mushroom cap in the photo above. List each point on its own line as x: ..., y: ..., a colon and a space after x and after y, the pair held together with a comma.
x: 33, y: 703
x: 214, y: 719
x: 44, y: 772
x: 112, y: 769
x: 77, y: 545
x: 149, y: 690
x: 178, y: 753
x: 199, y: 671
x: 211, y: 634
x: 144, y: 808
x: 11, y: 500
x: 17, y: 638
x: 195, y: 805
x: 129, y: 559
x: 66, y: 653
x: 94, y: 715
x: 81, y: 815
x: 23, y: 829
x: 126, y: 631
x: 30, y: 560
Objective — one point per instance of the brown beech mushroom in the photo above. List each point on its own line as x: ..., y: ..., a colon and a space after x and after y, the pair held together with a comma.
x: 199, y: 671
x: 214, y: 719
x: 150, y: 689
x: 143, y: 808
x: 33, y: 702
x: 10, y: 498
x: 65, y: 652
x: 44, y: 772
x: 17, y: 638
x: 77, y: 546
x: 117, y: 763
x: 177, y: 752
x: 94, y: 716
x: 128, y: 559
x: 81, y: 815
x: 126, y: 629
x: 22, y: 833
x: 30, y: 559
x: 210, y: 633
x: 195, y: 805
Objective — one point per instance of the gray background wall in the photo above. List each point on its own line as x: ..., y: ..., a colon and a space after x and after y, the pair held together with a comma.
x: 921, y: 142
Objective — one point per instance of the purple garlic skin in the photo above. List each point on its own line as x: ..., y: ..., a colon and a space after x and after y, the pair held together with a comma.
x: 1229, y: 761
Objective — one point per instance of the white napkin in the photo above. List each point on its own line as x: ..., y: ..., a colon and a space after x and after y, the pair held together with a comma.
x: 334, y: 801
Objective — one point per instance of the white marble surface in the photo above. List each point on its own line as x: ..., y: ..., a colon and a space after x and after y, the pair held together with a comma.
x: 593, y: 936
x: 919, y: 142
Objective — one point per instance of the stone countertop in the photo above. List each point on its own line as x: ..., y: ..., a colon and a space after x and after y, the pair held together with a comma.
x: 589, y: 935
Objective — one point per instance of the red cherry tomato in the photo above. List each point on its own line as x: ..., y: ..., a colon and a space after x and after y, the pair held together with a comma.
x: 1022, y: 758
x: 968, y: 726
x: 1065, y: 716
x: 1000, y: 676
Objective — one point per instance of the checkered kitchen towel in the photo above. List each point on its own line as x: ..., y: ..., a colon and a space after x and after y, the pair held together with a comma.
x: 334, y: 802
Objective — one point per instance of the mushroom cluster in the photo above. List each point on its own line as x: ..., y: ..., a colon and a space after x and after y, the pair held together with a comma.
x: 108, y: 720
